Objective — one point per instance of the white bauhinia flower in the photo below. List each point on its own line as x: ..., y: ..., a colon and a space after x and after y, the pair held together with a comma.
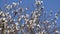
x: 9, y: 16
x: 56, y: 16
x: 42, y: 7
x: 31, y: 21
x: 55, y: 21
x: 3, y: 14
x: 17, y: 28
x: 7, y: 13
x: 19, y: 19
x: 4, y: 18
x: 26, y: 8
x: 14, y: 19
x: 38, y: 2
x: 14, y: 3
x: 39, y: 14
x: 56, y: 31
x: 36, y: 16
x: 16, y: 24
x: 34, y: 21
x: 27, y: 20
x: 7, y: 26
x: 27, y: 25
x: 6, y: 21
x: 22, y: 16
x: 41, y: 1
x: 9, y: 7
x: 8, y: 31
x: 42, y: 32
x: 38, y: 25
x: 49, y: 26
x: 34, y: 24
x: 12, y: 11
x: 27, y: 15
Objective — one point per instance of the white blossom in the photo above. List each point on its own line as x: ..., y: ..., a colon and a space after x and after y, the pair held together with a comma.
x: 17, y: 23
x: 26, y: 8
x: 56, y: 31
x: 14, y: 3
x: 9, y: 7
x: 38, y: 3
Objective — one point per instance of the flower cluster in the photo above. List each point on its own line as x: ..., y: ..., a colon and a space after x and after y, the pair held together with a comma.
x: 15, y: 21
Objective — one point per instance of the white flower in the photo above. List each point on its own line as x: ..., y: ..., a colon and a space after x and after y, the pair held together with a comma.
x: 38, y: 3
x: 7, y: 26
x: 34, y: 21
x: 56, y: 16
x: 38, y: 14
x: 38, y: 25
x: 47, y: 21
x: 55, y: 21
x: 19, y: 19
x: 27, y: 15
x: 43, y: 7
x: 34, y: 24
x: 17, y: 24
x: 9, y: 7
x: 26, y: 8
x: 49, y: 26
x: 35, y: 16
x: 14, y: 20
x: 27, y: 19
x: 22, y: 16
x: 9, y: 16
x: 41, y: 1
x: 12, y: 11
x: 6, y: 21
x: 27, y: 25
x: 8, y: 31
x: 17, y: 28
x: 14, y: 3
x: 3, y: 14
x: 4, y: 18
x: 31, y: 21
x: 42, y: 32
x: 7, y: 13
x: 56, y: 31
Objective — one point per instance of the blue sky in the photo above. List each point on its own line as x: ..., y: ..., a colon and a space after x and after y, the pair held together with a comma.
x: 48, y: 5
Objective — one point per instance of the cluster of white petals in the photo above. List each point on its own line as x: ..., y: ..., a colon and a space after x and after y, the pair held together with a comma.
x: 16, y: 21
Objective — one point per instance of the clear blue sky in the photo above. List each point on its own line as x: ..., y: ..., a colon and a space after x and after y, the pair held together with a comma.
x: 48, y: 4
